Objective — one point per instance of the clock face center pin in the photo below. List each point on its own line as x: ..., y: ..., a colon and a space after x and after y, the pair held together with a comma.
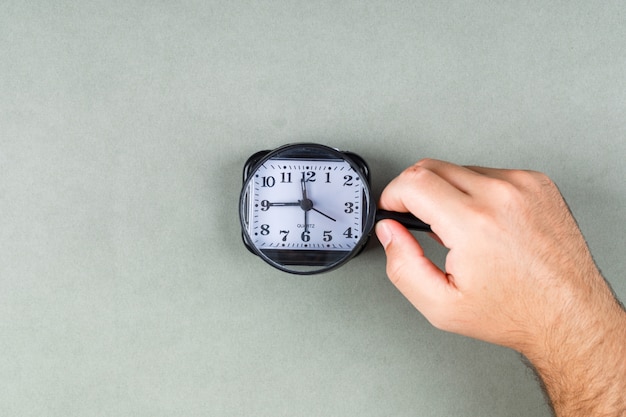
x: 306, y: 204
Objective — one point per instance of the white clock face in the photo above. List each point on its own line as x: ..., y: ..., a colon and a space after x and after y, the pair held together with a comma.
x: 305, y: 205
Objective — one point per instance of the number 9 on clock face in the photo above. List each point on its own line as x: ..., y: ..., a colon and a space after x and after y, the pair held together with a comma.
x: 305, y: 208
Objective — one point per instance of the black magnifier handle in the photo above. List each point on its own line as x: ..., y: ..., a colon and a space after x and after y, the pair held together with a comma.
x: 405, y: 219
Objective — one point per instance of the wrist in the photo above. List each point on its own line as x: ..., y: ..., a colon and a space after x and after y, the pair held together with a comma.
x: 581, y: 319
x: 581, y: 357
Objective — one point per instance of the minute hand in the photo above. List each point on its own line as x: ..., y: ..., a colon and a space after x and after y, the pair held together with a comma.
x: 305, y: 204
x: 303, y: 186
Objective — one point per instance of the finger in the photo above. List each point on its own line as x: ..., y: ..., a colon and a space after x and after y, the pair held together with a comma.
x: 467, y: 180
x: 429, y: 197
x: 416, y: 277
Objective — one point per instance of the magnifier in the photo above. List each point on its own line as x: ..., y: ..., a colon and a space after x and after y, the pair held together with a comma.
x: 307, y: 208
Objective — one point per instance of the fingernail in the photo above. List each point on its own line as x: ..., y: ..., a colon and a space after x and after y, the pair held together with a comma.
x: 383, y: 233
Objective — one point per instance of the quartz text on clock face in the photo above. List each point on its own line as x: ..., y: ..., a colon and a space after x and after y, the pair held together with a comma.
x: 299, y: 204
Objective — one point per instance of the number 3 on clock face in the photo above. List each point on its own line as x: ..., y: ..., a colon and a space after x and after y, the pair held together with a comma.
x: 304, y: 208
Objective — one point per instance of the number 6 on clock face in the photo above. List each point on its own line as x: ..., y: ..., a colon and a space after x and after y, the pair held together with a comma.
x: 306, y: 208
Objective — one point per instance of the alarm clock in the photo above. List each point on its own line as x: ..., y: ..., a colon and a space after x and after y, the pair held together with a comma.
x: 307, y: 208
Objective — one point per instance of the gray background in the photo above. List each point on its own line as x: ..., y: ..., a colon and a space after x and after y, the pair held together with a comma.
x: 124, y: 286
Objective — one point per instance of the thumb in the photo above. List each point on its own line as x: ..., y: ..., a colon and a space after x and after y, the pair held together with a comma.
x: 418, y: 279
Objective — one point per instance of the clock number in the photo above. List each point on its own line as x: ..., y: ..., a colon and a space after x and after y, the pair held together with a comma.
x: 265, y: 229
x: 348, y: 233
x: 309, y: 177
x: 305, y: 236
x: 285, y: 177
x: 349, y: 208
x: 328, y: 177
x: 348, y: 179
x: 265, y: 205
x: 268, y: 181
x: 327, y: 236
x: 286, y: 233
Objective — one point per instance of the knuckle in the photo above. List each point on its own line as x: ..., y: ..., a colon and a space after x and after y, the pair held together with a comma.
x: 533, y: 181
x: 426, y: 162
x: 505, y: 192
x: 546, y: 183
x: 416, y: 173
x: 504, y: 188
x: 520, y: 176
x: 540, y: 177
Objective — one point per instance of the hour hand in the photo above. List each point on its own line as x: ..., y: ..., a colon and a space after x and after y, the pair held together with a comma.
x: 266, y: 204
x: 323, y: 214
x: 297, y: 203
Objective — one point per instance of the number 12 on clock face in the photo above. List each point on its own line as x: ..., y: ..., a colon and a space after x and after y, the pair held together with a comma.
x: 305, y: 205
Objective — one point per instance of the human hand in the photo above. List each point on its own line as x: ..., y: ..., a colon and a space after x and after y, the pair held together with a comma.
x: 517, y: 263
x: 518, y: 273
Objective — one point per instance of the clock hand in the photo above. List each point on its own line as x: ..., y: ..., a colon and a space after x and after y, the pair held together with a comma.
x: 305, y: 204
x: 303, y: 185
x: 325, y: 215
x: 297, y: 203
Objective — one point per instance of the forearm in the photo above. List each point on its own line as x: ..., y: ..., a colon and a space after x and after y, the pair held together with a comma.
x: 583, y: 367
